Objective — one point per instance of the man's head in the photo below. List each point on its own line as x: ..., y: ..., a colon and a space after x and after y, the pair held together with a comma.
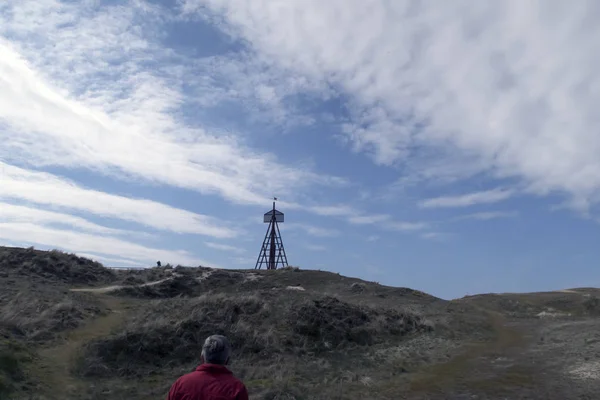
x: 216, y: 350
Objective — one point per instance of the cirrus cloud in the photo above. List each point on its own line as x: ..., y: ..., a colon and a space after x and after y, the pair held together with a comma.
x: 510, y: 87
x: 469, y: 199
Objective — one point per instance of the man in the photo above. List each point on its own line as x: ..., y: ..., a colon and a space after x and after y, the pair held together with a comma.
x: 211, y: 380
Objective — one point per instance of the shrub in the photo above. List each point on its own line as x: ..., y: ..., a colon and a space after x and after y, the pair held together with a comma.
x: 41, y: 318
x: 13, y: 356
x: 357, y: 287
x: 176, y: 337
x: 171, y: 332
x: 54, y: 265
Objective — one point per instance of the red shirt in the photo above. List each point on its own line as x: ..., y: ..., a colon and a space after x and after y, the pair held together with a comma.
x: 208, y: 382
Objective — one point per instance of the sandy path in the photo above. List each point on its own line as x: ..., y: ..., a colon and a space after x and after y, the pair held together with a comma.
x: 108, y: 289
x: 53, y: 367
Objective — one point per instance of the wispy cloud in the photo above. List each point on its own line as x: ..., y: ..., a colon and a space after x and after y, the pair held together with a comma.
x: 50, y: 190
x: 439, y: 236
x: 114, y: 261
x: 245, y: 261
x: 487, y: 215
x: 470, y: 199
x: 315, y: 247
x: 384, y: 221
x: 122, y: 95
x: 340, y: 210
x: 368, y: 219
x: 311, y: 229
x: 89, y: 243
x: 493, y: 88
x: 225, y: 247
x: 15, y: 213
x: 406, y: 226
x: 73, y: 98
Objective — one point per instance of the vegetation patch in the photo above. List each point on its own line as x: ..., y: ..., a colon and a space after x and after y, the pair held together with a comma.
x: 257, y: 329
x: 40, y: 318
x: 53, y: 265
x: 184, y: 282
x: 13, y: 357
x: 177, y: 286
x: 329, y: 323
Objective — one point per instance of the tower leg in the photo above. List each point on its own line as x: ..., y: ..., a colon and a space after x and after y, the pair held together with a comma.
x: 272, y: 252
x: 281, y: 248
x: 262, y: 256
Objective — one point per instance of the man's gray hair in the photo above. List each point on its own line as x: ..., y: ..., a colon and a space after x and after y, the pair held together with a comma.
x: 216, y: 350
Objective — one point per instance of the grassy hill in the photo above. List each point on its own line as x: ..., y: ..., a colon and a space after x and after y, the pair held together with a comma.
x: 72, y: 329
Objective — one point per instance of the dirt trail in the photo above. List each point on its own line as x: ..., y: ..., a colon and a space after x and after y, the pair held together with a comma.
x: 481, y: 367
x: 108, y: 289
x: 54, y: 365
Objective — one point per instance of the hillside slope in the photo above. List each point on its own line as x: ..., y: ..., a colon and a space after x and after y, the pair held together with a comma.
x: 72, y: 329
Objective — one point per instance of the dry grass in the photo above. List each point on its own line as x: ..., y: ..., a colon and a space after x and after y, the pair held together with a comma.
x: 340, y: 338
x: 52, y: 266
x: 41, y: 318
x: 169, y: 333
x: 464, y: 370
x: 13, y: 356
x: 55, y: 362
x: 576, y: 303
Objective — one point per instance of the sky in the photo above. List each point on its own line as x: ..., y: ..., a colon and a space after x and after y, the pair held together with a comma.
x: 450, y: 147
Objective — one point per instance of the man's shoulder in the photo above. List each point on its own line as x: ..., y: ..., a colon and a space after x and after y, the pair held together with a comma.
x: 186, y: 379
x: 188, y: 376
x: 198, y: 375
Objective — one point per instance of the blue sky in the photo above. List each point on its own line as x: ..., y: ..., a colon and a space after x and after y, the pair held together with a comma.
x: 450, y: 148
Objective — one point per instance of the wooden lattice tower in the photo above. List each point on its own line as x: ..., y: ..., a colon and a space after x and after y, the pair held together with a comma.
x: 272, y: 254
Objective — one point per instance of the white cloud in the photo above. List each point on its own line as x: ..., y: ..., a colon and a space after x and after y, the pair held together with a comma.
x: 246, y: 261
x: 368, y: 219
x: 311, y: 229
x: 436, y: 236
x: 14, y: 213
x: 84, y: 86
x: 405, y: 226
x: 50, y: 190
x: 465, y: 200
x: 87, y: 87
x: 507, y: 88
x: 264, y: 90
x: 115, y: 262
x: 89, y: 243
x: 386, y: 221
x: 340, y: 210
x: 488, y: 215
x: 315, y: 247
x: 356, y: 217
x: 225, y: 247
